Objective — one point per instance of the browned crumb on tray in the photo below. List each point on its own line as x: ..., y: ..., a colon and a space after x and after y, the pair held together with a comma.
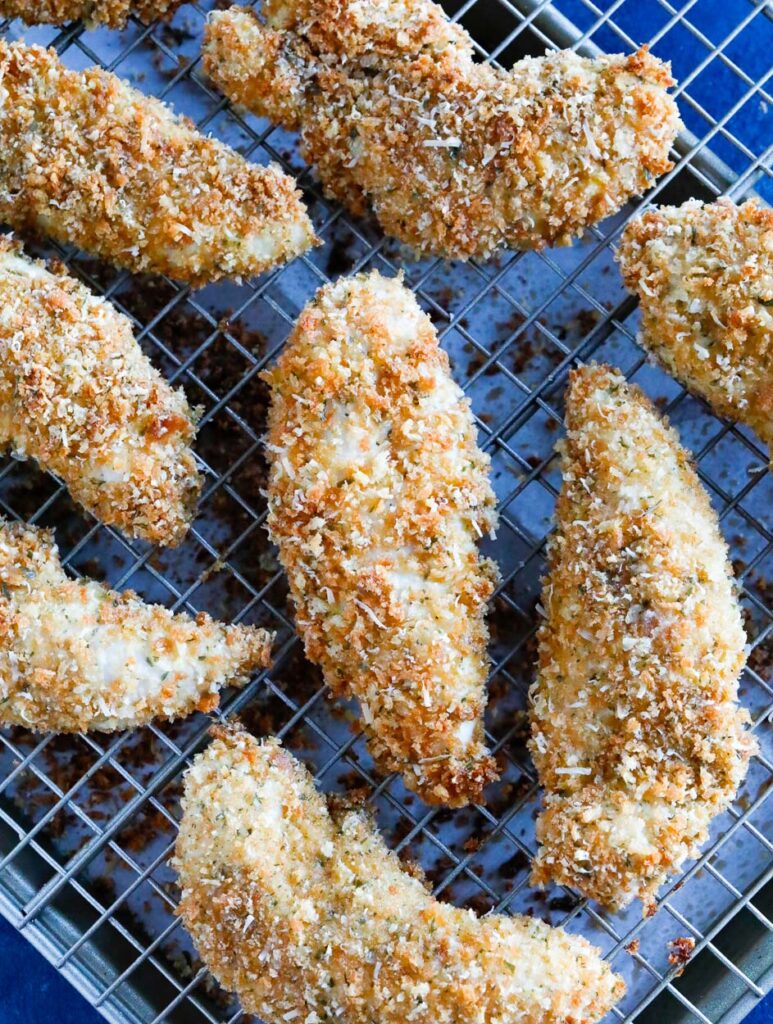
x: 679, y: 952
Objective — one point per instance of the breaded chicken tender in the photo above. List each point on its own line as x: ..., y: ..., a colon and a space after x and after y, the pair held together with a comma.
x: 704, y: 277
x: 78, y: 395
x: 456, y: 158
x: 113, y: 13
x: 90, y: 161
x: 304, y: 912
x: 637, y: 735
x: 377, y: 496
x: 77, y: 656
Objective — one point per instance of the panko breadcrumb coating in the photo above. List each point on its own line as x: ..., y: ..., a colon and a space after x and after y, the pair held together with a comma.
x: 113, y: 13
x: 77, y: 656
x: 456, y: 158
x: 377, y: 496
x: 704, y: 277
x: 636, y: 732
x: 304, y: 912
x: 78, y: 395
x: 91, y: 161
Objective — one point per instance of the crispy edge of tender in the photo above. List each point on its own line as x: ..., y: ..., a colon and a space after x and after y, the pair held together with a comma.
x: 111, y: 13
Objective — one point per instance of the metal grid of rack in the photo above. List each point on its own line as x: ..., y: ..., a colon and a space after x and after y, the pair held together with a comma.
x: 87, y: 823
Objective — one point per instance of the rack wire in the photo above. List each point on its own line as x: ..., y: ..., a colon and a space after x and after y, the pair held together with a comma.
x: 87, y: 823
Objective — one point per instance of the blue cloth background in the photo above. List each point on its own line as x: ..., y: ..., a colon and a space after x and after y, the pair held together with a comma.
x: 31, y: 991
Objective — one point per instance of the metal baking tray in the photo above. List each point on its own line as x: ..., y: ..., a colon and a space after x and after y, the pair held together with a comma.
x: 87, y: 823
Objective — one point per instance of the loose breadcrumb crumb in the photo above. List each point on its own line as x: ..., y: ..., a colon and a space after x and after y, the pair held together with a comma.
x: 91, y: 161
x: 636, y: 732
x: 704, y: 277
x: 679, y: 952
x: 377, y: 496
x: 78, y: 395
x: 455, y: 157
x: 77, y: 656
x: 113, y: 13
x: 304, y: 912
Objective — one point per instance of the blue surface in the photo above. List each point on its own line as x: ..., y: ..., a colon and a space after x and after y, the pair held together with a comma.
x: 763, y: 1014
x: 31, y: 991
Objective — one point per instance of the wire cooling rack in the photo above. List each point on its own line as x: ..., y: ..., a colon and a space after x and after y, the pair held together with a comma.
x: 87, y: 823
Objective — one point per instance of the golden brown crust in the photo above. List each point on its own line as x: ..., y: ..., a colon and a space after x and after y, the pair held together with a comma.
x: 377, y: 495
x: 91, y: 161
x: 456, y: 158
x: 78, y: 395
x: 113, y: 13
x: 308, y: 916
x: 704, y: 278
x: 636, y: 732
x: 77, y: 656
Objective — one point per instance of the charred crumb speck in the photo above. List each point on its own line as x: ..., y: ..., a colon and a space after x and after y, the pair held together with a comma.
x: 340, y: 255
x: 679, y: 952
x: 563, y: 903
x: 587, y: 320
x: 516, y: 864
